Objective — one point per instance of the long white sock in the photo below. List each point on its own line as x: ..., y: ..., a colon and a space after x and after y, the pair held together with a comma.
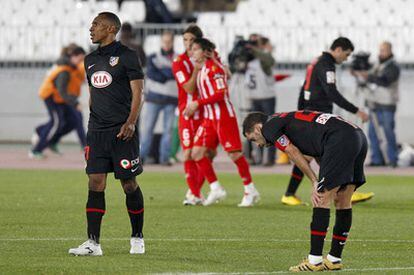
x: 333, y: 259
x: 248, y: 188
x: 315, y: 259
x: 215, y: 185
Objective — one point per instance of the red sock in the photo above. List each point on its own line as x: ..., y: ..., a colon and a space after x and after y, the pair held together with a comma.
x: 191, y: 175
x: 244, y: 170
x: 200, y: 180
x: 205, y: 167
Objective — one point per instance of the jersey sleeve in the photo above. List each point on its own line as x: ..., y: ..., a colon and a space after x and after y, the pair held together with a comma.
x: 85, y: 64
x: 327, y: 77
x: 216, y: 78
x: 133, y: 66
x: 181, y: 74
x: 273, y: 132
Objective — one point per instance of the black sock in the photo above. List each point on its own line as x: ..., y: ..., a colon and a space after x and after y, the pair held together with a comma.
x: 319, y: 227
x: 135, y: 207
x: 295, y: 179
x: 95, y: 209
x: 343, y: 222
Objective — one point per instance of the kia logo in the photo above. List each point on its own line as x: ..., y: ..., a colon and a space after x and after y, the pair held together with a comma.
x: 101, y: 79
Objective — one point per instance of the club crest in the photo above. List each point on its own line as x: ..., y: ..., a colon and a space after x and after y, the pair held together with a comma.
x: 113, y: 60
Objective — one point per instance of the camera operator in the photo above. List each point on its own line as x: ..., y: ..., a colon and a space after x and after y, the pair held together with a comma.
x: 261, y: 93
x: 383, y: 81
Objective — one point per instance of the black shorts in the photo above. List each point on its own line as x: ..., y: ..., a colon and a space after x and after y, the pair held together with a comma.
x: 105, y: 153
x: 342, y: 160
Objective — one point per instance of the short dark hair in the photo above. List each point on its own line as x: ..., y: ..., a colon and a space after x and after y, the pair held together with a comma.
x: 77, y: 51
x: 113, y: 18
x: 205, y: 44
x: 251, y: 120
x: 126, y: 27
x: 343, y: 43
x: 194, y: 30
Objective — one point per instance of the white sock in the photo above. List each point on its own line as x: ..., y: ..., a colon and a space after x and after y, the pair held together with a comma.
x: 315, y: 260
x: 215, y: 185
x: 333, y: 259
x: 249, y: 187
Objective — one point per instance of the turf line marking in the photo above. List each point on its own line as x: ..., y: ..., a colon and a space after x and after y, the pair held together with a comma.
x: 287, y: 272
x: 195, y: 240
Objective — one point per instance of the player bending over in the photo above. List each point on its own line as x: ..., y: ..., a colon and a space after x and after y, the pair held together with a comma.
x: 341, y: 148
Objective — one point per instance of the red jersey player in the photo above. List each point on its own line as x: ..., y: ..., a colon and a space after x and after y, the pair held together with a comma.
x: 219, y: 124
x: 185, y: 74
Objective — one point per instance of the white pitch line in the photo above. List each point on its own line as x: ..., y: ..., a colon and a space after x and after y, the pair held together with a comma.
x: 287, y: 272
x: 197, y: 240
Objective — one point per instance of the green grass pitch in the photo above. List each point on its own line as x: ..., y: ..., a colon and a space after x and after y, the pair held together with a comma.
x: 42, y: 216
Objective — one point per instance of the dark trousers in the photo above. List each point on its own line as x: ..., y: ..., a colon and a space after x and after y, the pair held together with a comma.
x: 62, y: 119
x: 267, y: 106
x: 73, y: 121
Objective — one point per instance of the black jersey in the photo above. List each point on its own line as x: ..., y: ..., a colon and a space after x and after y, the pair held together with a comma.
x: 109, y: 70
x: 319, y: 91
x: 307, y: 130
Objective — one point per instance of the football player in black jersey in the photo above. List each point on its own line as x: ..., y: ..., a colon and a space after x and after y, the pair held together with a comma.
x: 318, y: 93
x: 340, y: 148
x: 115, y: 80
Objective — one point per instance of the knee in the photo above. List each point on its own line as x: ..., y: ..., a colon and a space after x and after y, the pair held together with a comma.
x: 187, y: 155
x: 129, y: 185
x: 324, y: 201
x: 97, y: 182
x: 197, y: 154
x: 235, y: 155
x: 342, y: 201
x: 211, y: 154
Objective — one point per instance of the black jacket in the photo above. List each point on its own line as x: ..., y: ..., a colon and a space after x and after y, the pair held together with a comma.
x: 319, y: 90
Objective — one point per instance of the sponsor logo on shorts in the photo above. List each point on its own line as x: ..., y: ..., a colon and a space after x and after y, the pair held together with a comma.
x: 126, y: 164
x: 227, y: 144
x: 101, y: 79
x: 113, y: 60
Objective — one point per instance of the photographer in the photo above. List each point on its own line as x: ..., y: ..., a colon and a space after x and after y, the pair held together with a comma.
x: 383, y: 83
x: 261, y: 92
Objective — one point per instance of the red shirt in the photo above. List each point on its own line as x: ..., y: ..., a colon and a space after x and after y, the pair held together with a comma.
x: 214, y: 95
x: 182, y: 68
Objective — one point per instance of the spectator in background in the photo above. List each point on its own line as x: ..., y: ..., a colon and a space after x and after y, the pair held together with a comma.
x: 74, y: 113
x: 127, y: 39
x: 260, y: 83
x: 157, y: 12
x: 59, y: 91
x: 383, y: 80
x: 161, y: 96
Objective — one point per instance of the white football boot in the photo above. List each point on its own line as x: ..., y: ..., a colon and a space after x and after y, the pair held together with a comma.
x: 250, y: 198
x: 88, y: 248
x: 190, y: 199
x: 137, y: 246
x: 215, y: 195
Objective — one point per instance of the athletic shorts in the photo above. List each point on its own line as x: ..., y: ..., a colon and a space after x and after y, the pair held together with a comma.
x: 342, y: 161
x: 225, y: 132
x: 187, y: 129
x: 105, y: 153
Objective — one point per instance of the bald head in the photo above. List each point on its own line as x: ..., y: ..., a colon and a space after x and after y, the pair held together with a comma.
x: 385, y: 50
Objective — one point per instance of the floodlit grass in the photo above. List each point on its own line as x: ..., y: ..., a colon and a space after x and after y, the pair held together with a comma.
x: 42, y: 216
